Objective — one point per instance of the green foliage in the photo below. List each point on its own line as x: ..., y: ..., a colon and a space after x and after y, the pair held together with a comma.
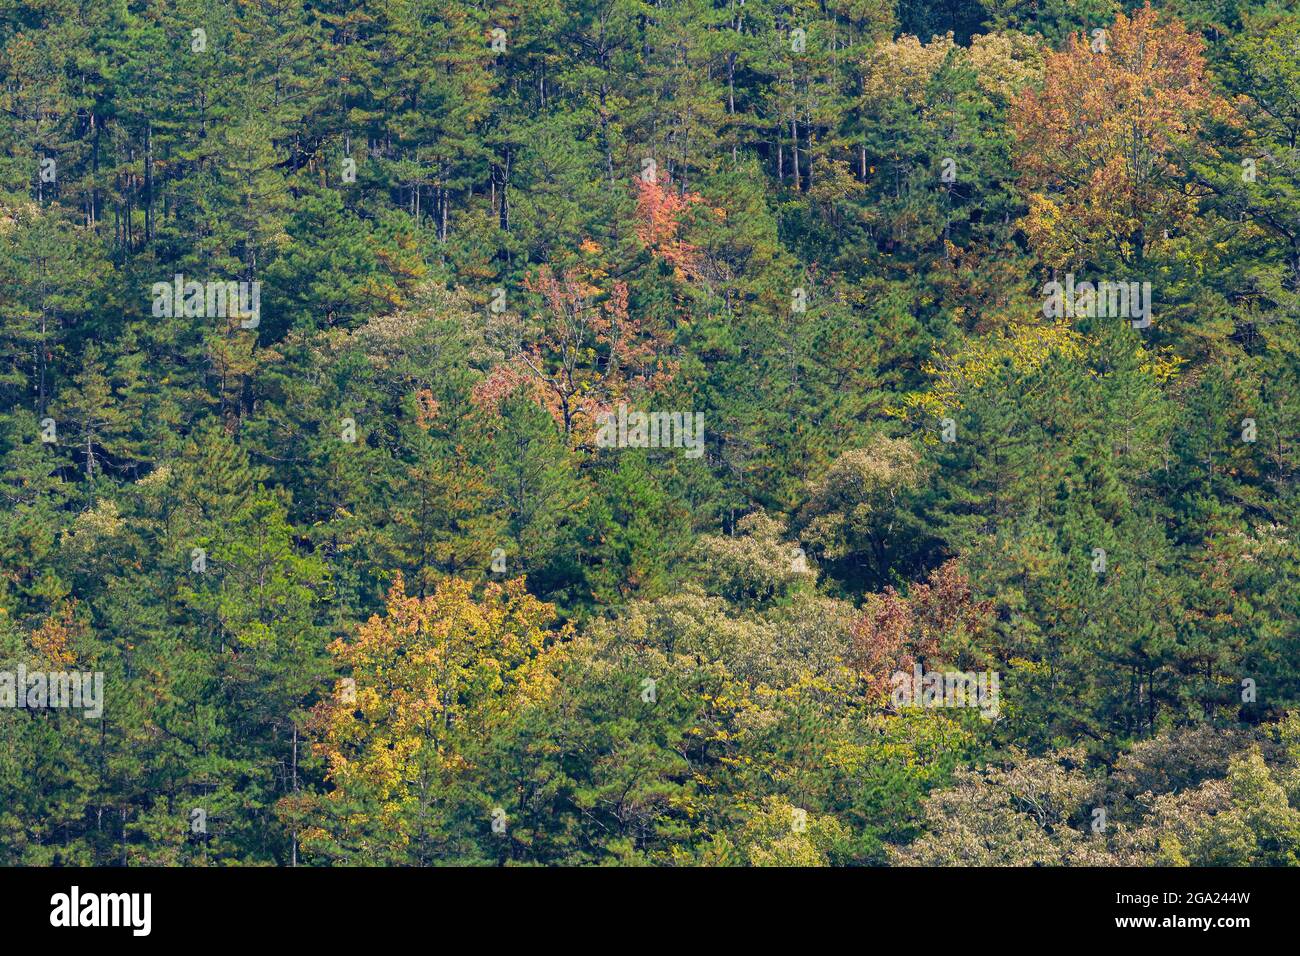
x: 824, y: 229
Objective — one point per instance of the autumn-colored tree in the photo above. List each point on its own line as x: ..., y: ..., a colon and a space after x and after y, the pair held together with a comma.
x: 659, y: 211
x: 1100, y: 145
x: 586, y: 352
x: 425, y: 680
x: 940, y: 620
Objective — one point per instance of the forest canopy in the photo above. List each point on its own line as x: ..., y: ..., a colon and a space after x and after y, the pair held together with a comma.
x: 613, y: 432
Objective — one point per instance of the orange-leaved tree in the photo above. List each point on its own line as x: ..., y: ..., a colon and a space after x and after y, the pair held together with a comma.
x: 585, y: 352
x: 659, y: 212
x: 1102, y: 146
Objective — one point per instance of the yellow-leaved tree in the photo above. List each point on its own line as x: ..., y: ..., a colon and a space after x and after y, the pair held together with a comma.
x: 430, y: 679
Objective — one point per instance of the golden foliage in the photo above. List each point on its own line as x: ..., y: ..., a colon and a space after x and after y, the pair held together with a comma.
x: 1026, y: 346
x: 425, y: 675
x: 1098, y: 145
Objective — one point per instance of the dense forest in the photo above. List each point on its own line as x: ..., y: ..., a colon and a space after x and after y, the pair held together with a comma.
x: 649, y: 432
